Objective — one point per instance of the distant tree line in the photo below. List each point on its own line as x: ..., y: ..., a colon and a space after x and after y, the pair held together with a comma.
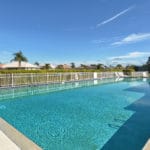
x: 18, y: 56
x: 144, y: 67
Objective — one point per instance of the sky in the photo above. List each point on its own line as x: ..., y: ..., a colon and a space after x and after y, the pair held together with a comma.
x: 81, y: 31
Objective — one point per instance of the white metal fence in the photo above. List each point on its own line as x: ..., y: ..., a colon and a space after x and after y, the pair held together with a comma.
x: 140, y: 74
x: 23, y: 79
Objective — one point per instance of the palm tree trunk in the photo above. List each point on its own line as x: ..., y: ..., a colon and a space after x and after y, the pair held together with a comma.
x: 19, y: 63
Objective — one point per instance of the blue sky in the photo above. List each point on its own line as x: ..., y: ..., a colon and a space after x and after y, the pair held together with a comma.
x: 80, y: 31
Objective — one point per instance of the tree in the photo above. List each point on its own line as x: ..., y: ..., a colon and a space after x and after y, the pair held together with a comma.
x: 84, y: 66
x: 47, y: 66
x: 72, y: 65
x: 60, y: 67
x: 37, y: 63
x: 148, y: 64
x: 133, y: 67
x: 19, y: 57
x: 119, y: 66
x: 93, y: 66
x: 100, y: 66
x: 148, y: 61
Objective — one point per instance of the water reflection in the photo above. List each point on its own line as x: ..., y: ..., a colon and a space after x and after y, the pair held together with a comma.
x: 135, y: 132
x: 34, y: 90
x: 11, y: 93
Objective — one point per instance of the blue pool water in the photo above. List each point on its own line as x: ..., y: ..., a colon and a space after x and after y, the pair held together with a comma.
x: 87, y: 116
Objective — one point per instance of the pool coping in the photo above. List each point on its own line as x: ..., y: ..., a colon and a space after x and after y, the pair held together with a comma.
x: 16, y: 137
x: 147, y: 145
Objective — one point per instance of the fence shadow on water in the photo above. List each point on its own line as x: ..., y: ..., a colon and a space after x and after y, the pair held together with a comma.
x: 11, y: 93
x: 135, y: 132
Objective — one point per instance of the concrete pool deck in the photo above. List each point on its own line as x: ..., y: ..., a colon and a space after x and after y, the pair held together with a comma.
x: 147, y: 145
x: 6, y: 143
x: 11, y: 139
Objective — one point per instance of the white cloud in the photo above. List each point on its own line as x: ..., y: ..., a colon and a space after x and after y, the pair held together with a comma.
x: 98, y: 41
x: 131, y: 55
x: 136, y: 58
x: 133, y: 38
x: 106, y: 40
x: 115, y: 17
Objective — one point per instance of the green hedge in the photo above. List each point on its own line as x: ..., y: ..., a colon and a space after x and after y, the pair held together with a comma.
x: 128, y: 71
x: 58, y: 70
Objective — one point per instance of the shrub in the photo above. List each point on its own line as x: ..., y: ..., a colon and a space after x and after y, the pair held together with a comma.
x: 128, y: 71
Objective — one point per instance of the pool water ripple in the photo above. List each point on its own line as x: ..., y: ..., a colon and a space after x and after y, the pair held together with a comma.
x: 83, y: 118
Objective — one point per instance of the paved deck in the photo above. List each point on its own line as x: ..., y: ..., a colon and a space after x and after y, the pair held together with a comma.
x: 147, y: 146
x: 6, y: 143
x: 12, y: 139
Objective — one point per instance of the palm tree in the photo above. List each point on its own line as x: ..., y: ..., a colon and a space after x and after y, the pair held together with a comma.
x: 19, y: 57
x: 100, y: 66
x: 72, y: 65
x: 37, y: 63
x: 119, y: 66
x: 47, y: 66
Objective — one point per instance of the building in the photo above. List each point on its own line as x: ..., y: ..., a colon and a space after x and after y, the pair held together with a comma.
x: 64, y: 66
x: 1, y: 66
x: 47, y: 66
x: 23, y: 66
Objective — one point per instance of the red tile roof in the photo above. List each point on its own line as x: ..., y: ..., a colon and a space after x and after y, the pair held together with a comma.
x: 1, y: 66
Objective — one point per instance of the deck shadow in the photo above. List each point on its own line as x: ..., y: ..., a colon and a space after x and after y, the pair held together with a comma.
x: 135, y: 132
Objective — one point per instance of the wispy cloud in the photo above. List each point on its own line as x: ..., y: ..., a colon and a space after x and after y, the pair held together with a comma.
x: 98, y: 41
x: 136, y: 58
x: 131, y: 55
x: 132, y: 38
x: 106, y: 40
x: 115, y: 17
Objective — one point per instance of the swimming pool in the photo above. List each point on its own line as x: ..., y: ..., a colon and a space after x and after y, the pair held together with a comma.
x: 91, y: 115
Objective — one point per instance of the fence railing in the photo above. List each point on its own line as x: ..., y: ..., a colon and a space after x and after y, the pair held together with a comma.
x: 23, y: 79
x: 139, y: 74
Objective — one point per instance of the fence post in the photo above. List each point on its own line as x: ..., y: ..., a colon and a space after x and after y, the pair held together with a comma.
x: 12, y: 79
x: 95, y: 75
x: 76, y: 76
x: 31, y: 78
x: 47, y: 78
x: 71, y: 76
x: 60, y: 77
